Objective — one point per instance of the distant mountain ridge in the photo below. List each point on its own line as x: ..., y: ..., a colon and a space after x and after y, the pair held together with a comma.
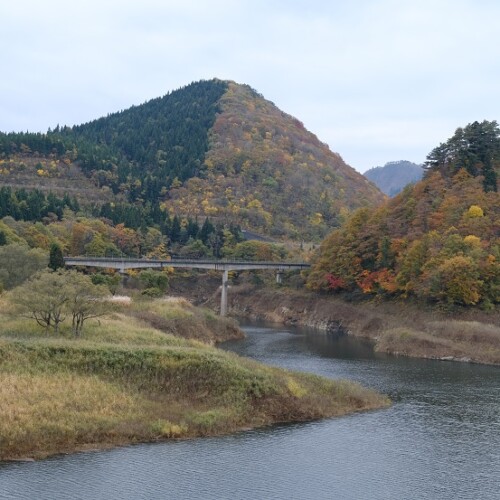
x: 395, y: 175
x: 213, y: 148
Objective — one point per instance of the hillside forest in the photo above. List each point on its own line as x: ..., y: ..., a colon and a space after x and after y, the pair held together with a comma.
x: 438, y: 240
x: 185, y: 174
x: 211, y: 149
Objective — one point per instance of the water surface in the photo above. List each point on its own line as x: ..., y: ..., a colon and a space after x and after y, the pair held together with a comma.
x: 439, y: 440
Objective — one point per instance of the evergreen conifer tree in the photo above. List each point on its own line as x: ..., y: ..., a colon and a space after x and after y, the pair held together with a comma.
x: 175, y: 230
x: 56, y: 259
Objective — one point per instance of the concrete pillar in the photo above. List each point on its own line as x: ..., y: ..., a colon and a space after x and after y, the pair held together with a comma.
x: 223, y: 295
x: 279, y: 276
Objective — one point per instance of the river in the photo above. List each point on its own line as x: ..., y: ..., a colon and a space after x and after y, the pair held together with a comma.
x: 440, y: 440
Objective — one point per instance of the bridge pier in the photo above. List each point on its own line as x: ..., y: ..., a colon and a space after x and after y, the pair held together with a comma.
x: 122, y: 264
x: 279, y: 276
x: 223, y: 294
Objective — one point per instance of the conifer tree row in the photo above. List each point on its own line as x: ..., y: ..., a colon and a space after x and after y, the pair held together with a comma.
x: 474, y: 148
x: 33, y: 205
x: 141, y: 151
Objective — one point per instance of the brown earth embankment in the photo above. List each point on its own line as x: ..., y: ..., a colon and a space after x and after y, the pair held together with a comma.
x: 399, y: 327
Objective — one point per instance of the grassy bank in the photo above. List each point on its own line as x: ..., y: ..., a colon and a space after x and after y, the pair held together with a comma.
x: 452, y: 340
x: 178, y: 317
x: 125, y: 381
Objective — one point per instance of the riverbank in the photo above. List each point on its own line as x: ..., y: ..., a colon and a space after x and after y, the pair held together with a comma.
x: 398, y: 328
x: 126, y: 382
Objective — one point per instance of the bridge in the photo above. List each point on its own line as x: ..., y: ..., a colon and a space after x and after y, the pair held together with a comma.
x: 122, y: 264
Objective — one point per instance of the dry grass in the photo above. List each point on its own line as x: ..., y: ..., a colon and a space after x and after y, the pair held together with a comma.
x: 454, y: 339
x: 177, y: 316
x: 473, y: 332
x: 126, y: 381
x: 123, y: 329
x: 51, y: 412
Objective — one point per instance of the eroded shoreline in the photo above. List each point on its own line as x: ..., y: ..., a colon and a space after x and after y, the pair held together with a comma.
x: 397, y: 328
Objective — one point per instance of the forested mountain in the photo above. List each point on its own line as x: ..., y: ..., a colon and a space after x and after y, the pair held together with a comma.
x: 213, y: 148
x: 155, y: 143
x: 438, y: 240
x: 264, y: 168
x: 394, y: 176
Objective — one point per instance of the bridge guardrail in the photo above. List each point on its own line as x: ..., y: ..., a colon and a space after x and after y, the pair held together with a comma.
x: 185, y: 261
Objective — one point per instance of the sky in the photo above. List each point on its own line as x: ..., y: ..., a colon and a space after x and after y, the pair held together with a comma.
x: 376, y: 80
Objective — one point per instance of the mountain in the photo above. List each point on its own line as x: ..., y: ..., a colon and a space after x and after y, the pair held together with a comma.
x: 438, y: 240
x: 394, y: 176
x: 213, y: 148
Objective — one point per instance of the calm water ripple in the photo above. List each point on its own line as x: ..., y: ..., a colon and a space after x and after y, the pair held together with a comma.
x: 439, y: 440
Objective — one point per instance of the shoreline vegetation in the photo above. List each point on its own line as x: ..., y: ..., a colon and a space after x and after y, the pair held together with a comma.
x: 396, y: 328
x: 129, y: 379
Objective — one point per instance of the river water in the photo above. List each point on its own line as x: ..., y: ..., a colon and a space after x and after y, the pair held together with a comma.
x: 440, y: 440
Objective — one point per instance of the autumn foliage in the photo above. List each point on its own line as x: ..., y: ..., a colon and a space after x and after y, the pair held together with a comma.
x: 211, y: 149
x: 438, y: 240
x: 266, y: 171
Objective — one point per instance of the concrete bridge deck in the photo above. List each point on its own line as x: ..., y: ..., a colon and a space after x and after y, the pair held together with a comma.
x: 122, y: 264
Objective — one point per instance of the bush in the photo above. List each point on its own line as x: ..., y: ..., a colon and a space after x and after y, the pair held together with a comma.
x: 153, y: 292
x: 18, y: 263
x: 154, y: 279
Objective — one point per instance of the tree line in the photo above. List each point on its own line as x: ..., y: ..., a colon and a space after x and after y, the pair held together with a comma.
x: 474, y: 148
x: 139, y: 152
x: 34, y: 205
x: 436, y: 241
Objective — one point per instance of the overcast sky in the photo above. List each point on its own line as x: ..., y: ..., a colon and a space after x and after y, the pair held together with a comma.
x: 377, y: 81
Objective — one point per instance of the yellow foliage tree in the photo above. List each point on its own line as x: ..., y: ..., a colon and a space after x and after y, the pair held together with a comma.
x: 458, y: 281
x: 475, y: 211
